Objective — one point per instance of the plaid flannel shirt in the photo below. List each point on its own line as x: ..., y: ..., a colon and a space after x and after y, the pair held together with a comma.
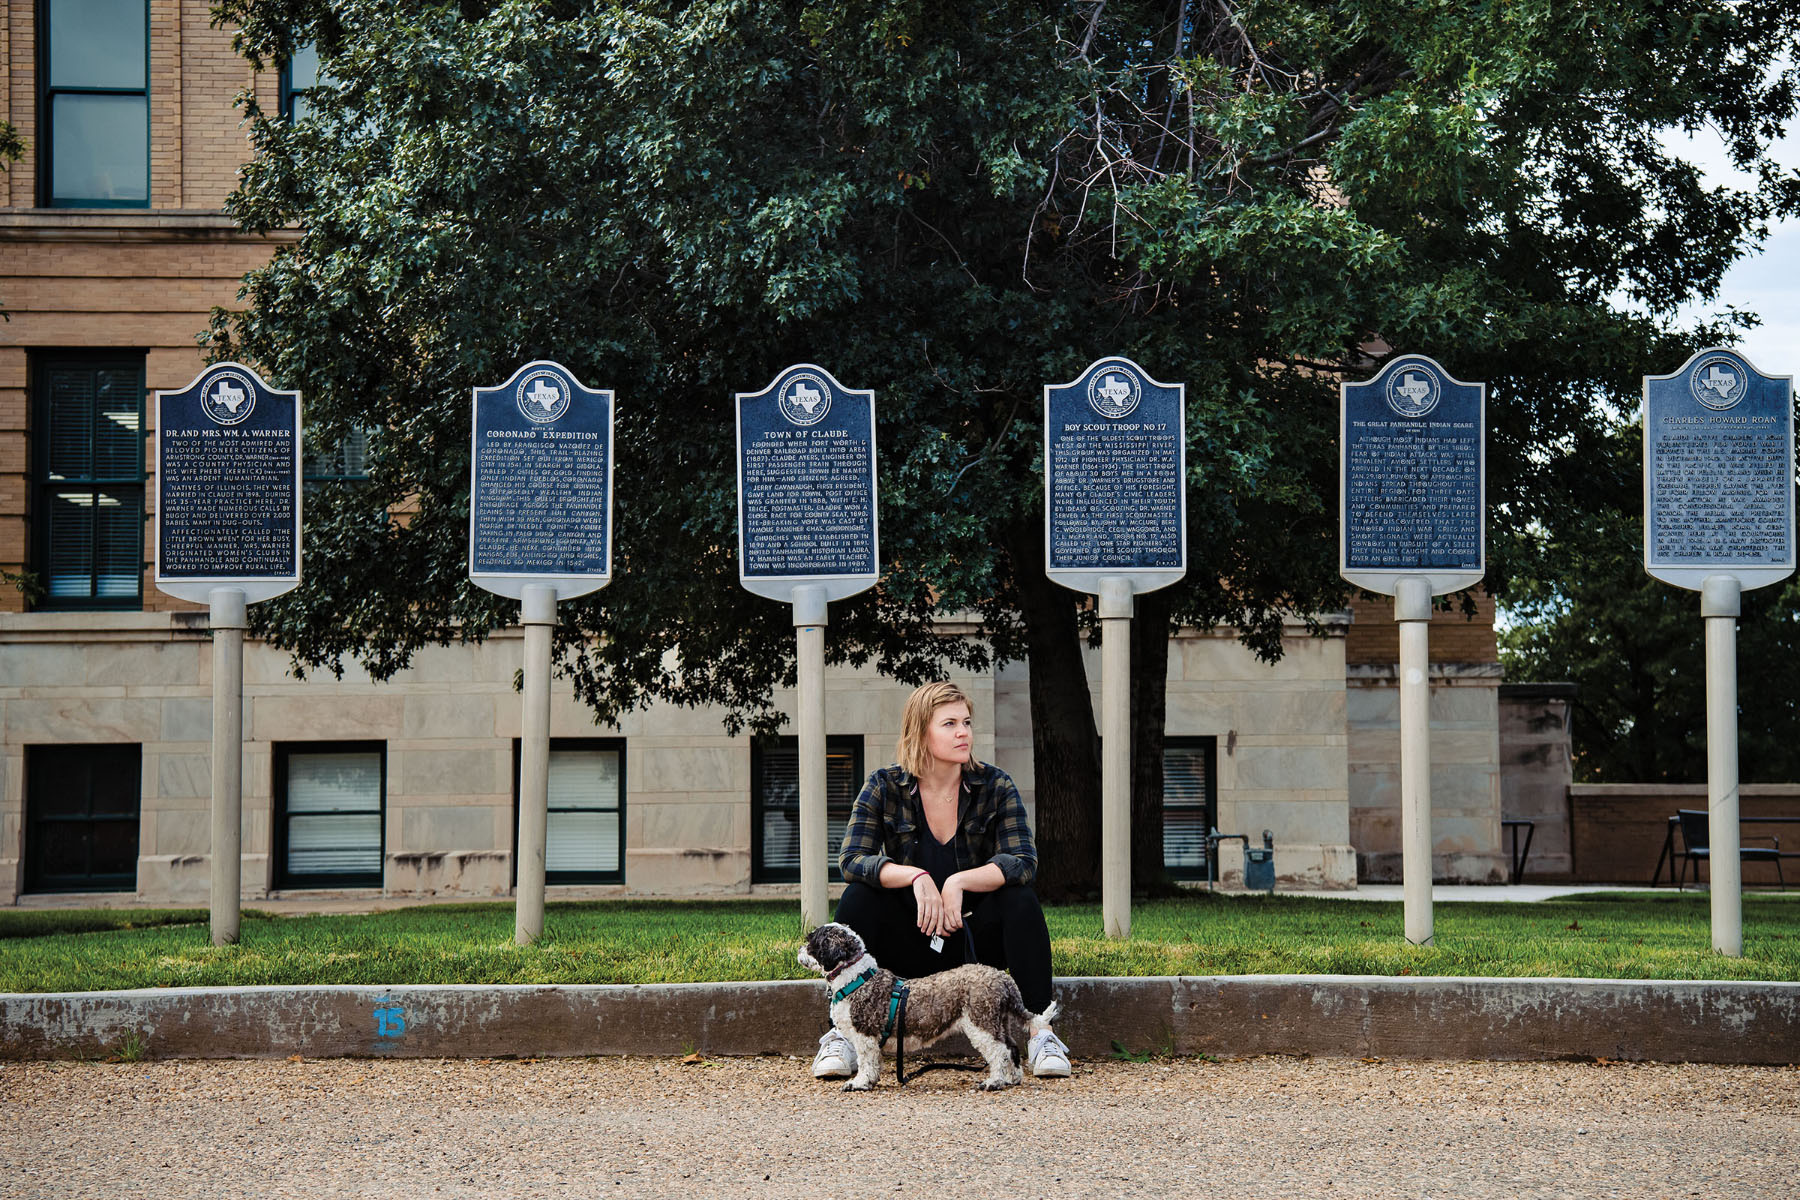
x: 888, y: 820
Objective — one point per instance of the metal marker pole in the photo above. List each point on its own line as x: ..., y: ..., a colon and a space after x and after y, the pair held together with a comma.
x: 1115, y: 755
x: 537, y: 604
x: 810, y: 618
x: 1720, y: 602
x: 1412, y: 612
x: 229, y: 621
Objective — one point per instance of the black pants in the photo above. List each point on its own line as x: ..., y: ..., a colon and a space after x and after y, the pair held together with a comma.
x: 1007, y: 924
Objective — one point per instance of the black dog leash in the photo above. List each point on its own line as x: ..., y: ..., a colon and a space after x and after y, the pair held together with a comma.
x: 896, y: 1024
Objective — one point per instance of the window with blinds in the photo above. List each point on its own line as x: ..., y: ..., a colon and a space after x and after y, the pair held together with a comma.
x: 88, y: 469
x: 775, y: 804
x: 584, y: 836
x: 330, y: 809
x: 1190, y: 805
x: 94, y: 103
x: 347, y: 460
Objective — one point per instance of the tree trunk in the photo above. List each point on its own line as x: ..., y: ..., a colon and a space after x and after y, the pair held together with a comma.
x: 1149, y: 709
x: 1064, y: 743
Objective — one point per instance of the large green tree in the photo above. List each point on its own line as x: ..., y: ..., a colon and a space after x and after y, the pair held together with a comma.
x: 956, y: 205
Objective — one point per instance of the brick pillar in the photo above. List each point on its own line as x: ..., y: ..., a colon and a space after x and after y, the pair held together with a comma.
x: 19, y: 53
x: 165, y: 104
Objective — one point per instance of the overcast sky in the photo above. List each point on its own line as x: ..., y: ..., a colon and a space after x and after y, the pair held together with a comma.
x: 1767, y: 283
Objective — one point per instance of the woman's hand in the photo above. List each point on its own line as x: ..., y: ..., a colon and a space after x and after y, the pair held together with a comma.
x: 953, y: 904
x: 930, y: 903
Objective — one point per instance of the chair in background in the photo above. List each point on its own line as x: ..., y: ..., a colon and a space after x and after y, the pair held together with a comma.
x: 1696, y: 847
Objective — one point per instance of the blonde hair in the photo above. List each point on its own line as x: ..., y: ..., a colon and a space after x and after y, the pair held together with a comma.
x: 913, y: 752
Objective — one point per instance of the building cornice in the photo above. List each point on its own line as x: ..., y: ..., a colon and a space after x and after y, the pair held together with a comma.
x: 130, y: 225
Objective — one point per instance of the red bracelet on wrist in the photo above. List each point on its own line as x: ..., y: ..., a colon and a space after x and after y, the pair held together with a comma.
x: 915, y: 878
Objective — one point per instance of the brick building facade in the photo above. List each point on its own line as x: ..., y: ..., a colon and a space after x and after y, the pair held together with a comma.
x: 122, y: 281
x: 114, y: 248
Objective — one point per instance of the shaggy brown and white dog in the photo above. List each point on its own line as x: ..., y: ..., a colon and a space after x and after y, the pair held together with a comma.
x: 979, y: 1001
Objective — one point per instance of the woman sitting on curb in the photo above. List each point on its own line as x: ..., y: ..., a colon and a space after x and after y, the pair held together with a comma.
x: 938, y: 862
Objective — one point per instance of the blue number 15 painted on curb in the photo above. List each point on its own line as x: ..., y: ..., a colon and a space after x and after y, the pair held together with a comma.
x: 390, y: 1021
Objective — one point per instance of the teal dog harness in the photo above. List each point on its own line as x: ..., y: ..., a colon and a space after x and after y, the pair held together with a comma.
x: 896, y: 1015
x: 844, y: 992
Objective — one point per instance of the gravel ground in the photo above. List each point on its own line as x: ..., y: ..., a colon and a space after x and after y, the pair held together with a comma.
x: 762, y: 1127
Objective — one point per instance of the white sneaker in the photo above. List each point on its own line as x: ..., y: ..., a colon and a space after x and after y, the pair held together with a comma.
x: 836, y: 1058
x: 1049, y: 1057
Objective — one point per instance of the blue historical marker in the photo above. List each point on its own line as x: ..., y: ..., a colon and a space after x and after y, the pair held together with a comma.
x: 540, y: 530
x: 1115, y: 524
x: 1115, y: 465
x: 807, y: 535
x: 540, y: 504
x: 1413, y: 478
x: 1719, y: 518
x: 1718, y: 472
x: 227, y: 534
x: 806, y: 486
x: 227, y: 486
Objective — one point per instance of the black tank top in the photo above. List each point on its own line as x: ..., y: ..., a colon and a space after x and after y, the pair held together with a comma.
x: 935, y: 856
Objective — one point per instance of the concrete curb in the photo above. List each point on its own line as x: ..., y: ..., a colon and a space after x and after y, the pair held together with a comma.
x: 1229, y: 1016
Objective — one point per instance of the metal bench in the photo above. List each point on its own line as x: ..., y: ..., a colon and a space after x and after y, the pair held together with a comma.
x: 1696, y: 848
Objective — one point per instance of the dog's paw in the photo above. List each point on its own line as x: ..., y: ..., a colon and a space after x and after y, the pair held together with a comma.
x: 856, y: 1086
x: 993, y: 1085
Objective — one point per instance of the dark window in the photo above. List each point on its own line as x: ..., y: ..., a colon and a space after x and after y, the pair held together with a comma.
x: 347, y: 460
x: 94, y: 103
x: 81, y: 818
x: 330, y: 814
x: 88, y: 519
x: 299, y: 76
x: 584, y: 837
x: 1190, y: 805
x: 775, y: 804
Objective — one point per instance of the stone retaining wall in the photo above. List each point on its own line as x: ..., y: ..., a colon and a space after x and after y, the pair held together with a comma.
x: 1226, y: 1016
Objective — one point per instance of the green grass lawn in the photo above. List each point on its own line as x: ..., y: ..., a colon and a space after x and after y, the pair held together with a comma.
x: 1618, y: 936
